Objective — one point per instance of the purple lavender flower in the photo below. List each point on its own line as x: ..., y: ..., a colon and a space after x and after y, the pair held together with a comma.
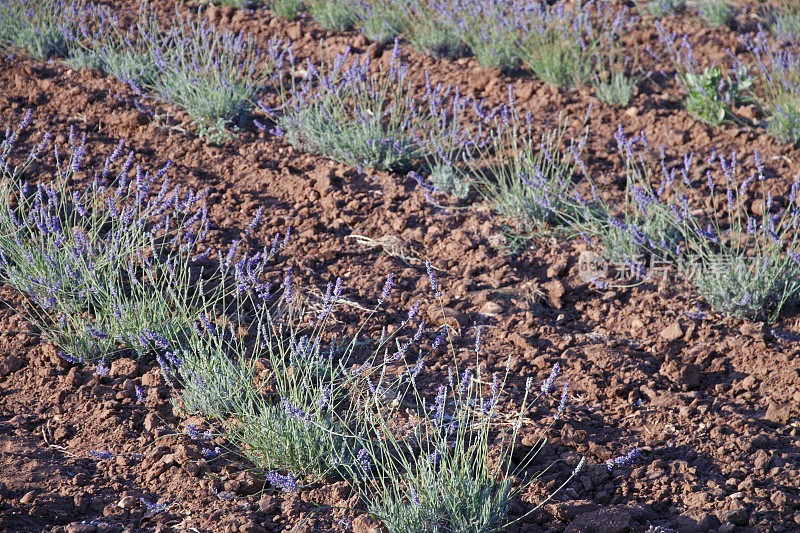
x: 441, y: 397
x: 432, y: 279
x: 287, y: 483
x: 387, y: 287
x: 102, y: 368
x: 139, y: 393
x: 101, y: 455
x: 363, y: 460
x: 478, y: 338
x: 623, y: 460
x: 191, y: 430
x: 287, y: 287
x: 153, y: 508
x: 562, y: 406
x: 547, y: 386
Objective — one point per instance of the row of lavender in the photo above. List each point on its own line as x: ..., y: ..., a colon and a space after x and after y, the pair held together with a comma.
x: 370, y: 116
x: 90, y: 260
x: 580, y: 45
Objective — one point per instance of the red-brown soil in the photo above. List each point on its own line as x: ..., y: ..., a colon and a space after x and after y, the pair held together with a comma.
x: 711, y: 402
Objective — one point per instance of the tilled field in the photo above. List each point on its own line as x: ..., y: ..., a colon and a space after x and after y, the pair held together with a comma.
x: 710, y: 401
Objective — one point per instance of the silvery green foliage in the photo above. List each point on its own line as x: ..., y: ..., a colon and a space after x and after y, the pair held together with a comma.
x: 716, y: 12
x: 93, y: 259
x: 660, y: 8
x: 385, y: 21
x: 287, y: 9
x: 44, y: 29
x: 778, y: 70
x: 531, y: 180
x: 447, y: 179
x: 365, y: 116
x: 334, y: 15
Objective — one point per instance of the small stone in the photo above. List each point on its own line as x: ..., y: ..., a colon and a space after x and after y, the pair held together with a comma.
x: 127, y: 502
x: 777, y: 413
x: 567, y: 511
x: 124, y: 367
x: 150, y: 422
x: 737, y: 516
x: 779, y: 498
x: 555, y: 290
x: 491, y: 309
x: 28, y: 497
x: 252, y: 527
x: 672, y: 332
x: 367, y: 524
x: 81, y: 528
x: 268, y: 504
x: 11, y: 364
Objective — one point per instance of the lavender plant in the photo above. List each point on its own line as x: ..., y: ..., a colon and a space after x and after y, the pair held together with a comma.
x: 437, y: 475
x: 352, y: 113
x: 661, y: 8
x: 44, y: 29
x: 491, y: 30
x: 287, y: 9
x: 565, y: 47
x: 530, y: 180
x: 786, y: 22
x: 780, y: 86
x: 215, y: 77
x: 334, y: 15
x: 384, y: 21
x: 744, y: 263
x: 616, y: 78
x: 429, y: 33
x: 717, y: 13
x: 644, y: 224
x: 91, y: 260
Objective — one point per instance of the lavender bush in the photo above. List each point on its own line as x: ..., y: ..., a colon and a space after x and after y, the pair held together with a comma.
x: 744, y: 263
x: 717, y: 13
x: 566, y: 47
x: 334, y: 15
x: 780, y: 85
x: 92, y: 259
x: 367, y: 117
x: 44, y: 29
x: 530, y: 178
x: 384, y: 21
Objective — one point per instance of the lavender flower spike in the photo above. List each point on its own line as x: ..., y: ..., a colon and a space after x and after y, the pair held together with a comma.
x: 547, y: 386
x: 623, y: 460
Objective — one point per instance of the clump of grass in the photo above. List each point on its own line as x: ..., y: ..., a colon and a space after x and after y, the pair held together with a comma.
x: 660, y: 8
x: 717, y: 13
x: 367, y: 117
x: 93, y: 260
x: 334, y: 15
